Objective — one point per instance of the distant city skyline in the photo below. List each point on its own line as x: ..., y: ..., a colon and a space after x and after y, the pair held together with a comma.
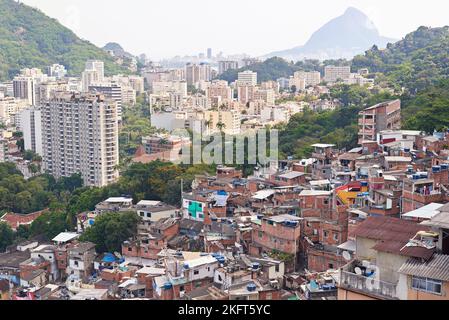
x: 164, y: 29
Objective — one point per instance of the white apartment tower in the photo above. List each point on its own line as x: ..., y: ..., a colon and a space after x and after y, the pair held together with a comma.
x: 333, y: 73
x: 96, y: 65
x: 248, y: 78
x: 24, y: 87
x: 80, y: 135
x: 31, y: 126
x: 224, y: 66
x: 312, y: 78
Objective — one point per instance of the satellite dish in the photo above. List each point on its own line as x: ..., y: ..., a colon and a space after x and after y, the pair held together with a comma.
x: 346, y: 255
x: 365, y: 263
x: 358, y: 271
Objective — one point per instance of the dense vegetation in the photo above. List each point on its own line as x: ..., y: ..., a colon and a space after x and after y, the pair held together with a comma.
x: 429, y: 109
x: 66, y: 197
x: 419, y: 60
x: 135, y: 125
x: 25, y: 196
x: 417, y: 67
x: 338, y: 126
x: 28, y: 38
x: 110, y: 230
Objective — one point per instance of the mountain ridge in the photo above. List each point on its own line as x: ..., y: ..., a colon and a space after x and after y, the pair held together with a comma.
x: 29, y: 38
x: 331, y: 40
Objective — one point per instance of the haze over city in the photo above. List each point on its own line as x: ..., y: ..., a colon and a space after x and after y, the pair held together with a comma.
x: 252, y: 27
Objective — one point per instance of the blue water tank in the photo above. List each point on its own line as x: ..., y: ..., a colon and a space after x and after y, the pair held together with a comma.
x: 444, y: 167
x: 167, y: 285
x: 255, y: 266
x: 436, y: 169
x: 364, y: 184
x: 251, y: 287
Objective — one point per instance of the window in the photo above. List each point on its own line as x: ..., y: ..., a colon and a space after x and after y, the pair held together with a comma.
x: 260, y: 234
x: 335, y: 236
x: 196, y: 272
x: 426, y: 285
x: 325, y: 234
x: 276, y: 268
x: 326, y: 201
x: 331, y: 266
x: 130, y: 249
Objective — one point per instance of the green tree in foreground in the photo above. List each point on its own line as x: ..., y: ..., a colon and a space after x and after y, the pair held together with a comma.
x: 6, y: 236
x: 110, y: 230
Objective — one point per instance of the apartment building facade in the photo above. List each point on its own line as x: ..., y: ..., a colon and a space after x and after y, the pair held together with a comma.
x: 380, y: 117
x: 80, y: 135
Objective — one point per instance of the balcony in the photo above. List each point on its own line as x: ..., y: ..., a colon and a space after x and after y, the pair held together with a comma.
x: 368, y: 286
x: 366, y: 122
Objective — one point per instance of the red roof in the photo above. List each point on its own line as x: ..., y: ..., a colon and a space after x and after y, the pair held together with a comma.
x: 14, y: 220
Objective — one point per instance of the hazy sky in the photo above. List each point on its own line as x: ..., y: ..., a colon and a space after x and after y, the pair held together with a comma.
x: 165, y: 28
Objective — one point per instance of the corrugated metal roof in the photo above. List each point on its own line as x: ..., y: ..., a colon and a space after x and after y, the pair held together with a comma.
x: 392, y: 235
x: 426, y: 212
x: 388, y: 228
x: 436, y: 268
x: 441, y: 220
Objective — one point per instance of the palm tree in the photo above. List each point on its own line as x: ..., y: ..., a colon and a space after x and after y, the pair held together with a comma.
x: 221, y: 126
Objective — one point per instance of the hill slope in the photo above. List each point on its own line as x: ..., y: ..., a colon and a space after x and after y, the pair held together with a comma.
x: 419, y: 60
x: 29, y: 38
x: 343, y: 37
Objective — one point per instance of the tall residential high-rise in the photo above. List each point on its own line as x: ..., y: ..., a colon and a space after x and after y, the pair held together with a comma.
x: 57, y: 70
x: 196, y: 73
x: 247, y: 77
x: 312, y: 78
x: 96, y: 65
x: 209, y: 53
x: 31, y: 126
x: 24, y: 87
x: 224, y: 66
x: 88, y: 78
x: 80, y: 135
x: 110, y: 90
x: 333, y: 73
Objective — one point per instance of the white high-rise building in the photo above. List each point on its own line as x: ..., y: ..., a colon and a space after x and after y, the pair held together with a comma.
x: 80, y: 135
x: 247, y: 77
x: 57, y: 70
x: 110, y: 90
x: 31, y: 127
x: 312, y: 78
x: 98, y: 66
x: 88, y: 78
x: 224, y: 66
x: 24, y: 87
x: 333, y: 73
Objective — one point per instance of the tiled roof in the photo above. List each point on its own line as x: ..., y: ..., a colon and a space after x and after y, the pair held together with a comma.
x: 15, y: 220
